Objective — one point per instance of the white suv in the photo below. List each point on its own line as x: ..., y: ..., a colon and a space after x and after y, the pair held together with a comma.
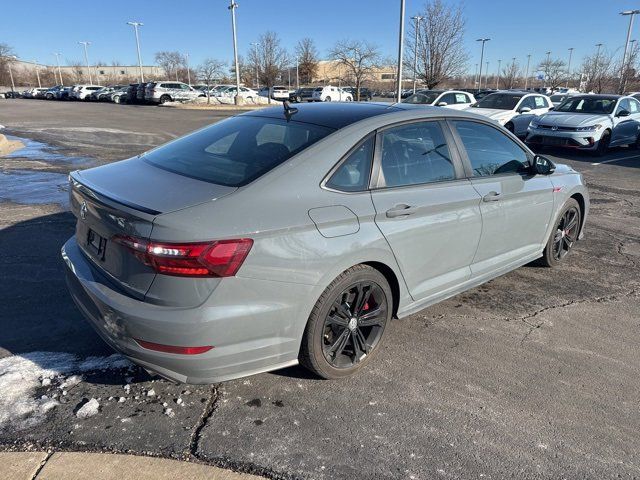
x: 162, y: 92
x: 83, y: 92
x: 331, y: 94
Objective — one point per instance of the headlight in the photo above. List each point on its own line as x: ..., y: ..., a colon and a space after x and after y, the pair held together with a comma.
x: 591, y: 128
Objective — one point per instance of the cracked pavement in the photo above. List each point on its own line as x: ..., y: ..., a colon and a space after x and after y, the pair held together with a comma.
x: 535, y: 374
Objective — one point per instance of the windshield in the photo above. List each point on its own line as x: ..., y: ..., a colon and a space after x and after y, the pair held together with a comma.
x: 499, y: 101
x: 557, y: 98
x: 236, y: 151
x: 597, y: 105
x: 425, y: 97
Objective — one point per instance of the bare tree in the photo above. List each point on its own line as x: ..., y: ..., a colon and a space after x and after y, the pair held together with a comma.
x: 307, y: 60
x: 597, y: 70
x: 509, y: 75
x: 555, y: 72
x: 210, y: 70
x: 441, y: 52
x: 6, y: 53
x: 358, y: 57
x: 171, y: 62
x: 629, y: 70
x: 270, y: 58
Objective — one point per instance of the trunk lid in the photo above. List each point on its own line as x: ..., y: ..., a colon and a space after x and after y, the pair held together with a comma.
x: 124, y: 198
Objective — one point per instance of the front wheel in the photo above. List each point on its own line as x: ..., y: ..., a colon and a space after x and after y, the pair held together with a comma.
x: 564, y: 234
x: 327, y: 99
x: 603, y: 143
x: 164, y: 99
x: 347, y: 323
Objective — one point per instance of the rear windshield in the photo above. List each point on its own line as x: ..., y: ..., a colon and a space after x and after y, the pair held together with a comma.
x: 499, y: 101
x: 236, y: 151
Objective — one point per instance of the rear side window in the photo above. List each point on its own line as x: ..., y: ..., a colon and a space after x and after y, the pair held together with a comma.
x: 490, y: 151
x: 415, y: 153
x: 236, y: 151
x: 353, y: 174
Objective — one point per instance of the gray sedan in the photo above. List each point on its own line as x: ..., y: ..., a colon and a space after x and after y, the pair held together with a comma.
x: 290, y: 235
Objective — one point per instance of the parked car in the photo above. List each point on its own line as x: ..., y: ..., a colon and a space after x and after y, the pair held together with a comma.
x: 279, y: 92
x: 63, y: 93
x: 277, y: 245
x: 513, y: 110
x: 245, y: 92
x: 162, y: 92
x: 52, y: 93
x: 12, y: 94
x: 104, y: 93
x: 119, y: 96
x: 83, y: 92
x: 455, y: 99
x: 304, y: 94
x: 365, y: 93
x: 37, y: 92
x: 330, y: 93
x: 132, y: 93
x: 589, y: 122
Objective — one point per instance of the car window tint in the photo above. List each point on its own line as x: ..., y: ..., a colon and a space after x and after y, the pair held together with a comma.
x: 449, y: 98
x: 528, y: 102
x: 415, y: 153
x: 623, y: 105
x: 236, y: 151
x: 490, y: 151
x: 353, y: 174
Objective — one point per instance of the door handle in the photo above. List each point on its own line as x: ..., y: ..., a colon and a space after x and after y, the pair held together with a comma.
x: 491, y: 197
x: 400, y: 210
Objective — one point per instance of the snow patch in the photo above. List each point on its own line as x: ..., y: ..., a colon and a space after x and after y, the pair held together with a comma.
x: 89, y: 409
x: 22, y: 375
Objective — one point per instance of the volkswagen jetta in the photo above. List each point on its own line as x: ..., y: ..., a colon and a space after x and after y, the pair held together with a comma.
x: 289, y: 235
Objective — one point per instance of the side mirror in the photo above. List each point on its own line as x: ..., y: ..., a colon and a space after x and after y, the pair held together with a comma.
x: 552, y: 108
x: 442, y: 104
x: 623, y: 113
x: 524, y: 110
x: 542, y: 165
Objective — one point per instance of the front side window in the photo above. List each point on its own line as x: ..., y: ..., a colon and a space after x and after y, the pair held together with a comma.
x: 623, y: 105
x: 540, y: 102
x: 634, y: 106
x: 448, y: 98
x: 490, y: 151
x: 353, y: 174
x: 414, y: 154
x: 236, y: 151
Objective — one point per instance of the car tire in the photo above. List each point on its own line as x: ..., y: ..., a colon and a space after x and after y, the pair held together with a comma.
x: 340, y: 339
x: 603, y: 144
x: 298, y: 99
x: 564, y: 234
x: 327, y: 99
x: 164, y: 99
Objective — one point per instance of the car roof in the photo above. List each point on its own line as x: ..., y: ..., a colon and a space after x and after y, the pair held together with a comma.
x: 340, y: 114
x: 599, y: 95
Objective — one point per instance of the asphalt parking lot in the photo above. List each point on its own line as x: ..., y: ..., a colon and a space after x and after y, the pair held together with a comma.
x: 533, y: 375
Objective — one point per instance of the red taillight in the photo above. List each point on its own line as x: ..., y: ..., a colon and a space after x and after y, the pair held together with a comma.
x: 158, y: 347
x: 222, y: 258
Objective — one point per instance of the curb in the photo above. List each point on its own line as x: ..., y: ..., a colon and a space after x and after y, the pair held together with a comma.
x: 106, y: 466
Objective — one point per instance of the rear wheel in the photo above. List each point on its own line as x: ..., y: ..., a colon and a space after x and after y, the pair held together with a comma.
x: 327, y: 99
x: 564, y: 235
x: 347, y: 323
x: 603, y: 143
x: 165, y: 99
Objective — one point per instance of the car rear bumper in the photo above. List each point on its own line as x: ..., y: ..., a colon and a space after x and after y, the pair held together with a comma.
x: 254, y: 325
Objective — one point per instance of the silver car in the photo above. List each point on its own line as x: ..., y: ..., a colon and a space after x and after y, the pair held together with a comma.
x: 589, y: 122
x: 289, y: 235
x: 162, y: 92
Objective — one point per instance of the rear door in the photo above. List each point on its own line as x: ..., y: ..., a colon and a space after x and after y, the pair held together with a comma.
x: 625, y: 128
x: 428, y: 212
x: 516, y: 206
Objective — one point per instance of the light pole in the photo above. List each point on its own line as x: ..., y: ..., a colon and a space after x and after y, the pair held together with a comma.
x: 486, y: 72
x: 569, y: 67
x: 475, y: 76
x: 135, y: 26
x: 297, y: 73
x: 86, y: 58
x: 232, y: 6
x: 400, y: 45
x: 37, y: 73
x: 546, y: 69
x: 255, y: 52
x: 188, y: 72
x: 526, y: 75
x: 417, y: 19
x: 623, y: 71
x: 513, y: 71
x: 59, y: 71
x: 498, y: 76
x: 483, y: 40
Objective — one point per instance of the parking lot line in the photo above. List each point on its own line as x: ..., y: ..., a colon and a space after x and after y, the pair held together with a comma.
x: 616, y: 160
